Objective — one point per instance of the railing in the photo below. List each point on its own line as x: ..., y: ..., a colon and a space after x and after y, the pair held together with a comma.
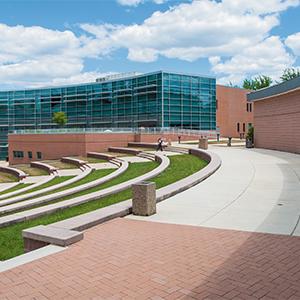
x: 143, y: 130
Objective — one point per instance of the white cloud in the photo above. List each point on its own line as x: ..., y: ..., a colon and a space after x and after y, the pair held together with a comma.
x: 37, y: 54
x: 137, y: 2
x: 202, y: 28
x: 269, y: 57
x: 233, y: 34
x: 85, y: 77
x: 293, y: 42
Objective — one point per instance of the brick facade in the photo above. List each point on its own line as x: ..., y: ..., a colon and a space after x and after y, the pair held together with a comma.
x: 55, y: 146
x: 277, y: 122
x: 232, y: 110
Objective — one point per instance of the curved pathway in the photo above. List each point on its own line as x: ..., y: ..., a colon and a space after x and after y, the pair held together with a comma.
x: 254, y: 190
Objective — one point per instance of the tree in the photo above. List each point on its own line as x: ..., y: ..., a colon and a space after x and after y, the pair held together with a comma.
x: 257, y: 83
x: 60, y: 118
x: 289, y: 74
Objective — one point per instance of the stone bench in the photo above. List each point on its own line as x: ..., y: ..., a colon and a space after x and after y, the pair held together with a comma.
x: 100, y: 155
x: 13, y: 171
x: 124, y: 150
x: 48, y: 168
x: 40, y: 236
x: 74, y: 161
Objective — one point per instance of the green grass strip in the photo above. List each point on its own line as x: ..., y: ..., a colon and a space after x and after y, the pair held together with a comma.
x: 134, y: 170
x: 55, y: 180
x: 94, y: 175
x: 15, y: 188
x: 11, y: 241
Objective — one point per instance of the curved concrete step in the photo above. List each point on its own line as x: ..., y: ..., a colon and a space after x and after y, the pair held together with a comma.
x: 13, y: 171
x: 48, y: 168
x: 11, y: 207
x: 7, y: 186
x: 42, y: 191
x: 75, y: 161
x: 31, y: 186
x: 93, y: 218
x: 51, y: 208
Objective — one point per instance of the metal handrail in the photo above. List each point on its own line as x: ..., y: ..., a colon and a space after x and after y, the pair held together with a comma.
x: 144, y: 130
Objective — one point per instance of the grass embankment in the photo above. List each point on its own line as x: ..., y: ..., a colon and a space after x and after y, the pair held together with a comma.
x: 55, y: 180
x: 30, y: 170
x: 6, y: 177
x: 94, y: 175
x: 60, y: 165
x: 15, y: 188
x: 134, y: 170
x: 90, y: 160
x: 11, y: 242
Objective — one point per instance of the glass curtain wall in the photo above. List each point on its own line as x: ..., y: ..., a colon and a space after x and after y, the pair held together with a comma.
x: 189, y: 102
x: 156, y: 99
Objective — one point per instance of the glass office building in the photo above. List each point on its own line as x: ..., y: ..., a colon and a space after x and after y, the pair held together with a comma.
x: 158, y: 99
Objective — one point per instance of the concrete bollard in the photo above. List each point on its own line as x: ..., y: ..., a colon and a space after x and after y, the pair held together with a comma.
x: 203, y: 143
x: 144, y: 198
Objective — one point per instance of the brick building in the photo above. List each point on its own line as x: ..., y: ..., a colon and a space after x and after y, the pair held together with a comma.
x: 234, y: 114
x: 277, y: 116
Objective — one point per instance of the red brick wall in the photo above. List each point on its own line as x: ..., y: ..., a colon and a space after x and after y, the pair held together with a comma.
x: 232, y: 109
x: 277, y: 123
x: 55, y: 146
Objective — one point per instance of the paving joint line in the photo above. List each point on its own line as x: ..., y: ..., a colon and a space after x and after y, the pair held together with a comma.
x: 234, y: 200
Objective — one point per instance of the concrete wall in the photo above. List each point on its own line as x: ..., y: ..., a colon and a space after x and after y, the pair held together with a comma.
x: 232, y: 109
x: 277, y: 122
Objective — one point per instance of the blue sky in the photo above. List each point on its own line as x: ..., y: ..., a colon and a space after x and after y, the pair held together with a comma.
x: 45, y: 42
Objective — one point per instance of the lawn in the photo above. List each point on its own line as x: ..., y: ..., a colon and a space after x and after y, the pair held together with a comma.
x: 11, y: 242
x: 94, y: 175
x: 16, y: 188
x: 59, y: 165
x: 6, y: 177
x: 90, y: 160
x: 55, y: 180
x: 30, y: 170
x: 134, y: 170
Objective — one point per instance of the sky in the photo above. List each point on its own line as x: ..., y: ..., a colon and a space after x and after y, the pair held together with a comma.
x: 59, y: 42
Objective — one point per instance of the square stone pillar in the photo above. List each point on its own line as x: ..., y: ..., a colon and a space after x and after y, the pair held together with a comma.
x: 144, y: 198
x: 203, y: 143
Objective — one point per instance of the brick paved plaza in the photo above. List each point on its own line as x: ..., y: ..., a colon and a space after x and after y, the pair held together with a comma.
x: 129, y: 259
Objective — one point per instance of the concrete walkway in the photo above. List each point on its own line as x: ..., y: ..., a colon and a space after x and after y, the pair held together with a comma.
x: 254, y: 190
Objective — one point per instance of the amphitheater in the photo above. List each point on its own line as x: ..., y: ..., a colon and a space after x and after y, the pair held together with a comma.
x: 227, y: 220
x: 67, y: 196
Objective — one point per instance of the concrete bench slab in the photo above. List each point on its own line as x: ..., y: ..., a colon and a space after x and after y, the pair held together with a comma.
x: 13, y: 171
x: 35, y: 236
x: 124, y: 150
x: 100, y: 155
x: 74, y: 161
x: 43, y: 166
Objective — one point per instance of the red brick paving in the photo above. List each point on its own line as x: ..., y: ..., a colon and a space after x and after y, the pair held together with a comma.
x: 127, y: 259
